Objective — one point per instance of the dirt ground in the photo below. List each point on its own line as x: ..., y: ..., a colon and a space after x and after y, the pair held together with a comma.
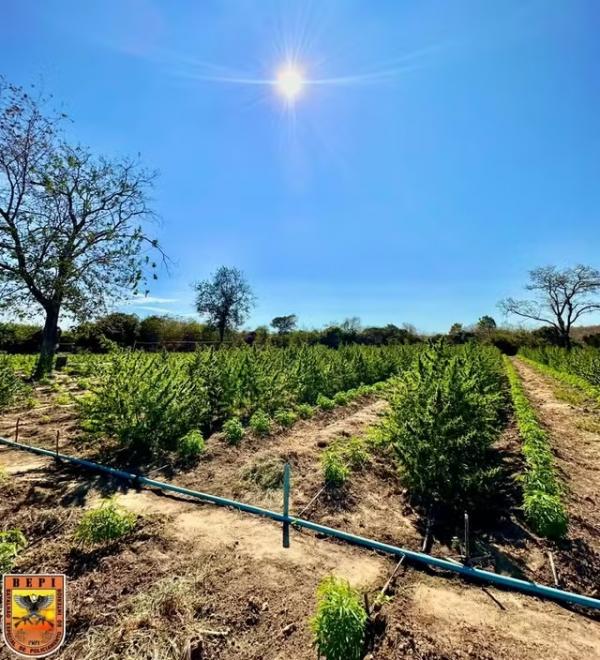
x: 250, y: 597
x: 577, y: 452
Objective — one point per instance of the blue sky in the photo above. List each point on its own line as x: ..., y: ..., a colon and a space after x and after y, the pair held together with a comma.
x: 460, y: 148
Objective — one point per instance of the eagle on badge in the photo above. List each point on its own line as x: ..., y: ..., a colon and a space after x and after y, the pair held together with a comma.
x: 34, y: 605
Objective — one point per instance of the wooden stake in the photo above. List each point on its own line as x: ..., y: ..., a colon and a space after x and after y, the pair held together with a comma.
x: 386, y: 586
x: 57, y: 439
x: 17, y: 429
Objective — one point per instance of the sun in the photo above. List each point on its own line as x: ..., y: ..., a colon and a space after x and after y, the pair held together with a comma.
x: 290, y: 82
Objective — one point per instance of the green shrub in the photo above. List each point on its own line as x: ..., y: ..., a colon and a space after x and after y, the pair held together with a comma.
x: 445, y: 413
x: 286, y: 418
x: 325, y: 403
x: 11, y: 386
x: 261, y: 423
x: 266, y: 472
x: 11, y: 543
x: 542, y: 493
x: 145, y: 401
x: 546, y: 513
x: 305, y: 411
x: 191, y: 446
x: 352, y: 395
x: 233, y: 430
x: 108, y: 522
x: 335, y: 470
x: 339, y: 624
x: 341, y: 399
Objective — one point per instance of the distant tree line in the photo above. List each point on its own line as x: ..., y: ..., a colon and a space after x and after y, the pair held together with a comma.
x: 157, y: 332
x: 179, y: 334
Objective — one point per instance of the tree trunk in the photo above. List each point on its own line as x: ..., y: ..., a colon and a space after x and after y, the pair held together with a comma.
x: 565, y: 338
x: 49, y: 346
x: 221, y: 328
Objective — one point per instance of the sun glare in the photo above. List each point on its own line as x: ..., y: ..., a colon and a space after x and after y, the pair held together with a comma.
x: 290, y: 82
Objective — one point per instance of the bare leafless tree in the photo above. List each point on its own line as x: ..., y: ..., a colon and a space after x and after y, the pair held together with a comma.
x: 561, y: 298
x: 71, y: 224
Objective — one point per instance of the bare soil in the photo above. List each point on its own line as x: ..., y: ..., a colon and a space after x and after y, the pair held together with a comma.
x: 577, y: 456
x: 255, y: 598
x: 577, y: 452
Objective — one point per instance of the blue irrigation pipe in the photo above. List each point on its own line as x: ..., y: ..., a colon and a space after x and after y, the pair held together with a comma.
x: 525, y: 586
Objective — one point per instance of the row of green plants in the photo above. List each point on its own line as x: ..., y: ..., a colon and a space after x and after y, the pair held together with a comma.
x: 543, y: 504
x: 445, y: 413
x: 571, y: 380
x: 149, y: 401
x: 581, y: 362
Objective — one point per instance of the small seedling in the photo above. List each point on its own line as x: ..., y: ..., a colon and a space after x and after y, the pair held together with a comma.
x: 335, y: 470
x: 341, y: 399
x: 233, y: 430
x: 191, y: 446
x: 11, y: 543
x: 339, y: 624
x: 305, y: 411
x: 355, y: 452
x: 325, y: 403
x: 261, y: 423
x: 108, y: 522
x: 286, y: 418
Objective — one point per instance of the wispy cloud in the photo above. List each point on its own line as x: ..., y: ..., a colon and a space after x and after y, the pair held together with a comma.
x: 162, y: 311
x: 143, y: 300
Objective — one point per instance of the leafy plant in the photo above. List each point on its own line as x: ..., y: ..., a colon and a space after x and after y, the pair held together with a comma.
x: 233, y: 430
x: 146, y: 401
x: 445, y: 412
x: 285, y: 418
x: 335, y: 469
x: 191, y: 445
x: 108, y: 522
x: 11, y: 543
x: 325, y: 403
x: 546, y: 513
x: 339, y: 625
x: 341, y: 399
x: 355, y: 452
x: 11, y: 386
x: 261, y: 423
x: 305, y: 411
